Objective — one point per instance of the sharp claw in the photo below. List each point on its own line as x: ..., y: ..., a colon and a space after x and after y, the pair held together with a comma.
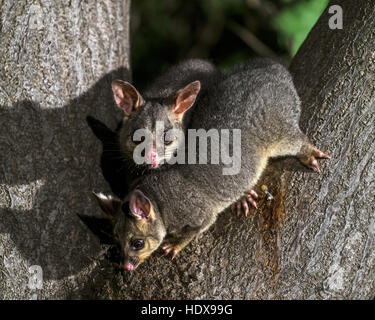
x: 254, y: 194
x: 174, y: 253
x: 317, y: 170
x: 314, y: 165
x: 322, y: 155
x: 245, y: 206
x: 252, y: 201
x: 166, y: 251
x: 246, y: 212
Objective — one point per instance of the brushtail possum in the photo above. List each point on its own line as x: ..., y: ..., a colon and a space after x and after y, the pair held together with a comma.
x: 166, y: 100
x: 172, y: 207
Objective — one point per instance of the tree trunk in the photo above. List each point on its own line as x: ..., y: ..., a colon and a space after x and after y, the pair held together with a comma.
x: 57, y: 61
x: 315, y: 240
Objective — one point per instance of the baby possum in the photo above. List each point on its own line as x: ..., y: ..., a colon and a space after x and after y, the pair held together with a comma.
x: 176, y: 205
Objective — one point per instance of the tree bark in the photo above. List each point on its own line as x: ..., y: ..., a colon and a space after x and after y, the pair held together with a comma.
x: 57, y: 60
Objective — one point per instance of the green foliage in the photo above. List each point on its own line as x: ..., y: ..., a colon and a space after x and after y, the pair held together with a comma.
x: 295, y: 22
x: 164, y: 32
x: 227, y: 7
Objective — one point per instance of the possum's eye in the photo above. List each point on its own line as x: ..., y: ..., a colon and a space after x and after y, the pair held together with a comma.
x: 137, y: 244
x: 167, y: 138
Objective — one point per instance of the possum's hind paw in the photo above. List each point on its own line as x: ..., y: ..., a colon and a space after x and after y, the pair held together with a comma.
x: 242, y: 205
x: 309, y: 158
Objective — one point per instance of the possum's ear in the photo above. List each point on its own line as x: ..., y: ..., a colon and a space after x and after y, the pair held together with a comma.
x: 110, y: 205
x: 140, y: 205
x: 185, y: 98
x: 127, y: 97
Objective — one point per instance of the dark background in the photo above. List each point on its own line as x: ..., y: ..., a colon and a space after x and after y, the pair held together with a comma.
x: 224, y: 31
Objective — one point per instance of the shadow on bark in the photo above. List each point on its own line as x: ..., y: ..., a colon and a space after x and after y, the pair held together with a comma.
x: 50, y: 166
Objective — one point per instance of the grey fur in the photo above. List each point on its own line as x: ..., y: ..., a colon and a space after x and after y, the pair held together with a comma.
x: 260, y: 99
x: 179, y: 75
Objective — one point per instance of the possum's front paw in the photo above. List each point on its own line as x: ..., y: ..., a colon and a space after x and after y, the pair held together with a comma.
x: 174, y: 249
x: 309, y: 158
x: 242, y: 205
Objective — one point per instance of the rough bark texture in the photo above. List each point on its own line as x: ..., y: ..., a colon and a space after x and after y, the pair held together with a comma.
x: 314, y: 240
x: 57, y: 60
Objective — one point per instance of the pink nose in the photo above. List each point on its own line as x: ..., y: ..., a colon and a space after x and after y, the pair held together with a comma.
x: 152, y: 157
x: 128, y: 266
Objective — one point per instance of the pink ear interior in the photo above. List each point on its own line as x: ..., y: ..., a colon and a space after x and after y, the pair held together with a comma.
x: 186, y: 98
x: 126, y: 96
x: 140, y: 205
